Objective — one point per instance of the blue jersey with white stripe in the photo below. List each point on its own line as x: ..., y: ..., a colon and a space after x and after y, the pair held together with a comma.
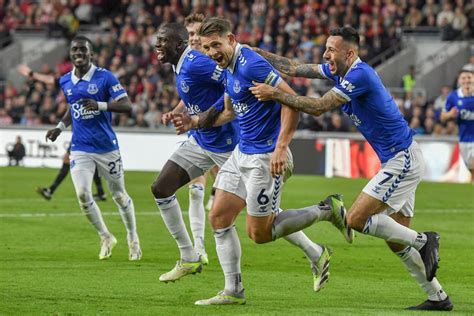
x: 92, y: 130
x: 259, y: 121
x: 200, y: 85
x: 372, y: 109
x: 465, y: 106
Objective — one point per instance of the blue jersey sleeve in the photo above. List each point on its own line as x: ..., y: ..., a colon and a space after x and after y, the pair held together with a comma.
x: 354, y: 84
x: 114, y: 88
x: 450, y: 102
x: 262, y: 71
x: 325, y: 72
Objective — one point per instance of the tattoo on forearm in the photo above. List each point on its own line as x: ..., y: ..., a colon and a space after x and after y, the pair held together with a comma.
x: 207, y: 119
x: 308, y: 71
x: 282, y: 64
x: 308, y: 104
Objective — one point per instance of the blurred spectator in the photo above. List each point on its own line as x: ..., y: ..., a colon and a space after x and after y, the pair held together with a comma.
x: 336, y: 125
x: 295, y: 29
x: 408, y: 80
x: 459, y: 23
x: 5, y: 36
x: 470, y: 65
x: 440, y: 101
x: 16, y: 153
x: 5, y: 119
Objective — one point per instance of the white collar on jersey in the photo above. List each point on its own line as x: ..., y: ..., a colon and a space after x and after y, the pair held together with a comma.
x: 354, y: 64
x: 177, y: 69
x: 86, y: 77
x: 461, y: 95
x: 237, y: 50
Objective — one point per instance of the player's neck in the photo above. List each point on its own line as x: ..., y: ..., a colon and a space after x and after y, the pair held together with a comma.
x: 350, y: 62
x: 81, y: 71
x: 175, y: 60
x: 466, y: 91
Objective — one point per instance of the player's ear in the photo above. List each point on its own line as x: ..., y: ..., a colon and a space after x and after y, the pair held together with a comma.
x: 231, y: 38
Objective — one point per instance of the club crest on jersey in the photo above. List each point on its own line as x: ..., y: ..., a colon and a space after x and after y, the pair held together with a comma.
x: 92, y: 88
x: 459, y: 102
x: 184, y: 86
x: 237, y: 88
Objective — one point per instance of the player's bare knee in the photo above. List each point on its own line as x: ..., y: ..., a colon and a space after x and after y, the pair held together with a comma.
x: 356, y: 221
x: 160, y: 191
x: 219, y: 219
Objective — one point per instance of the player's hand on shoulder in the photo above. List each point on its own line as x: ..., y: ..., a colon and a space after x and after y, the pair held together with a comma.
x: 182, y: 122
x: 53, y: 134
x: 262, y: 91
x: 279, y: 161
x: 89, y: 104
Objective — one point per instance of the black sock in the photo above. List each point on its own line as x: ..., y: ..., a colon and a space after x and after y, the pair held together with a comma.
x: 98, y: 183
x: 60, y: 177
x: 213, y: 191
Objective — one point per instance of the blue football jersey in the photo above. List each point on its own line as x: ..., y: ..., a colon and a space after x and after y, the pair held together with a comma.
x: 372, y: 109
x: 259, y: 121
x: 200, y: 85
x: 92, y: 130
x: 465, y: 106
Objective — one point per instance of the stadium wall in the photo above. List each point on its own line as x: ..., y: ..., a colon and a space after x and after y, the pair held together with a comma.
x: 327, y: 154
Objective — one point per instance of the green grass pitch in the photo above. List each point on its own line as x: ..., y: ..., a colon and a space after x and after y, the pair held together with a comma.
x: 49, y: 262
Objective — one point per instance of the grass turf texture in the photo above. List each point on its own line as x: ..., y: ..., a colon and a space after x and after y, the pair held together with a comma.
x: 49, y: 264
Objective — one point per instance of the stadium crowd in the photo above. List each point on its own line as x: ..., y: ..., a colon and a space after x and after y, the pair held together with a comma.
x: 295, y: 29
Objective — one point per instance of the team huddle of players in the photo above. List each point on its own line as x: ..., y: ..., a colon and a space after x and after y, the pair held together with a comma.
x: 240, y: 115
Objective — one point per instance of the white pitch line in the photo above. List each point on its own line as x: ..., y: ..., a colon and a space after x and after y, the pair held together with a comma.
x: 156, y: 213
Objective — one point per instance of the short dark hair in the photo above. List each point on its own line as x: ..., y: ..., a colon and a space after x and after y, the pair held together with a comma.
x: 463, y: 70
x: 83, y: 38
x: 177, y: 30
x: 214, y: 25
x: 194, y: 18
x: 348, y: 34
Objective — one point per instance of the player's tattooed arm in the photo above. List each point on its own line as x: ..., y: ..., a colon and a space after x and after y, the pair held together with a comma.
x: 291, y: 67
x: 315, y: 106
x: 208, y: 118
x: 213, y: 117
x: 183, y: 122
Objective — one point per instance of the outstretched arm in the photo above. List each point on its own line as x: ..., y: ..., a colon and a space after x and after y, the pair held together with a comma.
x: 26, y: 71
x: 291, y: 67
x: 315, y: 106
